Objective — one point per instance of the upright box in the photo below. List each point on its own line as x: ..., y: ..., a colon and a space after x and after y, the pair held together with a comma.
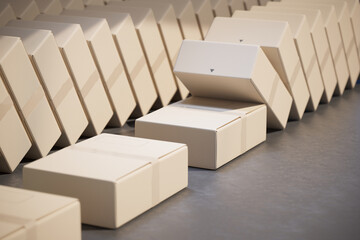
x: 249, y: 3
x: 236, y: 72
x: 103, y: 50
x: 49, y: 6
x: 170, y: 32
x: 204, y: 15
x: 6, y: 13
x: 49, y: 65
x: 76, y: 54
x: 27, y: 214
x: 236, y: 5
x: 277, y: 43
x: 319, y: 38
x: 305, y: 48
x: 347, y: 36
x: 24, y: 9
x: 14, y: 141
x: 216, y: 131
x: 73, y: 4
x: 28, y: 97
x: 220, y: 8
x: 124, y: 176
x: 334, y: 39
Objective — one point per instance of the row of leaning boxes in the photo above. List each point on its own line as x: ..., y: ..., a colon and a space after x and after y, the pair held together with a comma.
x: 68, y: 71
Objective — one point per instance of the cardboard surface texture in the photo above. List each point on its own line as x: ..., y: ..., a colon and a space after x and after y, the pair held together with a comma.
x: 153, y: 47
x: 277, y: 43
x: 49, y: 65
x: 73, y: 47
x: 24, y: 9
x: 234, y: 72
x: 319, y: 39
x: 6, y: 13
x: 33, y: 215
x: 49, y: 6
x: 300, y: 31
x: 101, y: 44
x: 204, y: 15
x: 216, y: 131
x: 220, y: 8
x: 28, y: 97
x: 129, y: 176
x: 14, y: 141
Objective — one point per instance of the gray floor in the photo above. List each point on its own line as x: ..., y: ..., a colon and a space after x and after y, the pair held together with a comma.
x: 302, y: 183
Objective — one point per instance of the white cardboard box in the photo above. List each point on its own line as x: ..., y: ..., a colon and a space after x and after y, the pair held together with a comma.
x: 216, y: 131
x: 236, y: 5
x: 347, y: 36
x: 24, y: 9
x: 153, y: 48
x: 103, y: 50
x: 204, y: 15
x: 6, y: 13
x: 305, y: 48
x: 250, y: 3
x: 49, y: 6
x: 334, y: 39
x: 236, y: 72
x: 14, y: 141
x: 49, y: 65
x: 73, y: 47
x: 33, y: 215
x: 73, y: 4
x: 132, y: 56
x: 28, y: 97
x: 170, y: 32
x: 124, y: 176
x: 220, y: 8
x: 319, y: 39
x: 277, y: 43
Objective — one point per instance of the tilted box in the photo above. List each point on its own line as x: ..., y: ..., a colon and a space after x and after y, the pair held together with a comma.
x: 236, y: 5
x: 220, y: 8
x: 6, y: 13
x: 249, y: 3
x: 24, y: 9
x: 204, y: 15
x: 49, y: 6
x: 73, y: 4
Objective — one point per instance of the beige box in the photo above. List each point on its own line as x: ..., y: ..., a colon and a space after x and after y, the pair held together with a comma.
x: 6, y: 13
x: 249, y: 3
x: 204, y: 15
x: 14, y: 141
x: 72, y: 45
x: 236, y: 5
x: 103, y: 50
x: 263, y: 2
x: 334, y: 39
x: 28, y: 97
x: 132, y: 56
x: 347, y: 36
x: 73, y: 4
x: 319, y: 38
x: 170, y: 32
x: 24, y: 9
x: 236, y: 72
x: 49, y: 6
x: 277, y: 43
x: 94, y: 2
x: 305, y: 48
x: 33, y: 215
x: 216, y: 131
x: 49, y: 65
x: 124, y: 176
x: 153, y: 48
x: 220, y: 8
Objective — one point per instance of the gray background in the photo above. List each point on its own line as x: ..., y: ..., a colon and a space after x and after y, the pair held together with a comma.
x: 302, y: 183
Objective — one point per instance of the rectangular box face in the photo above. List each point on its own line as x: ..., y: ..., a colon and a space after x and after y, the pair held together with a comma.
x: 14, y: 141
x: 236, y: 5
x: 73, y: 4
x: 28, y: 96
x: 250, y: 3
x: 73, y: 47
x: 354, y: 8
x: 24, y: 9
x: 200, y: 122
x: 34, y: 215
x: 276, y: 41
x: 44, y: 54
x: 220, y: 8
x: 49, y: 6
x: 6, y: 14
x: 204, y: 15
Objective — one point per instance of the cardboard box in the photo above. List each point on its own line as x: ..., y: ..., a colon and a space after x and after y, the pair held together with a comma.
x: 124, y: 176
x: 59, y: 89
x: 334, y: 39
x: 236, y: 72
x: 6, y: 13
x: 33, y: 215
x: 220, y: 8
x: 319, y: 39
x: 215, y: 131
x: 263, y: 2
x: 153, y: 47
x: 94, y: 2
x: 305, y: 48
x: 249, y: 3
x: 72, y: 45
x: 277, y: 43
x: 49, y: 6
x: 204, y: 15
x: 24, y: 9
x: 28, y: 97
x: 347, y: 36
x: 101, y: 44
x: 14, y: 141
x: 132, y: 56
x: 236, y: 5
x: 170, y: 32
x: 73, y: 4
